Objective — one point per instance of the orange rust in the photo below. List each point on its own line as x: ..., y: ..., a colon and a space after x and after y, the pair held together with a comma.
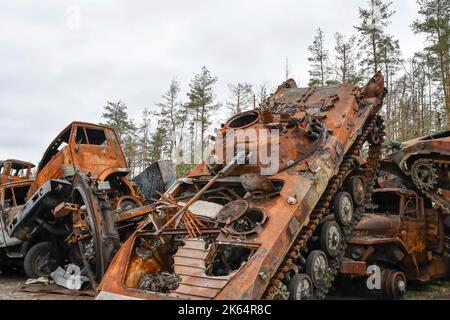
x: 318, y: 127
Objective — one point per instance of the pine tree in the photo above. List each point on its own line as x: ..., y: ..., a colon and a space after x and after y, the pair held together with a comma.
x: 262, y: 92
x: 202, y: 101
x: 374, y: 20
x: 144, y: 140
x: 320, y: 68
x: 171, y: 115
x: 116, y: 116
x: 345, y: 59
x: 436, y: 26
x: 241, y: 97
x: 159, y: 149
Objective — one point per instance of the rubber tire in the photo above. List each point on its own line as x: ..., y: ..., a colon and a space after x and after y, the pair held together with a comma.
x: 32, y: 254
x: 309, y: 266
x: 351, y: 188
x: 293, y: 284
x: 324, y: 235
x: 389, y: 290
x: 336, y: 207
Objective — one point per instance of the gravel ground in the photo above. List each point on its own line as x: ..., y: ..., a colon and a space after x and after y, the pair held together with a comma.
x: 11, y: 289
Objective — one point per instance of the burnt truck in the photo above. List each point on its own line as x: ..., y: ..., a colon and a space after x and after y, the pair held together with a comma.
x: 13, y: 170
x: 81, y: 204
x: 12, y: 250
x: 404, y: 236
x: 406, y: 231
x: 240, y: 229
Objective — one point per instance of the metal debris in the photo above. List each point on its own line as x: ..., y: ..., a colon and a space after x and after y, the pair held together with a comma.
x: 164, y: 282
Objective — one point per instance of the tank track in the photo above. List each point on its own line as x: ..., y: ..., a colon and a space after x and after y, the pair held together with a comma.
x: 432, y: 192
x: 276, y: 288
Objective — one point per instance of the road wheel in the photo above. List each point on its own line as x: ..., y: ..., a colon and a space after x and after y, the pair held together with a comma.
x: 395, y: 287
x: 356, y: 188
x: 42, y: 259
x: 343, y: 208
x: 300, y: 287
x: 317, y: 267
x: 330, y: 238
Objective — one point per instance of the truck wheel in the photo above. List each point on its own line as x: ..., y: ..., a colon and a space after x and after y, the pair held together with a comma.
x: 317, y: 267
x: 41, y: 260
x: 395, y: 287
x: 330, y: 238
x: 357, y: 189
x: 300, y: 287
x: 343, y: 208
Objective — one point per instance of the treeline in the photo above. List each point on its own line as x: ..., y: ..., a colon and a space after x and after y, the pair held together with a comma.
x: 417, y: 102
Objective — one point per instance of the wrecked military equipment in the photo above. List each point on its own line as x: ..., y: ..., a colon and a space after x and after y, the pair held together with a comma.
x: 404, y: 236
x: 426, y: 161
x: 237, y: 230
x: 81, y: 201
x: 405, y: 230
x: 157, y: 177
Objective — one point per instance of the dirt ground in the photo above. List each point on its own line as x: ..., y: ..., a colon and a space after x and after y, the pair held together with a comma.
x: 12, y: 287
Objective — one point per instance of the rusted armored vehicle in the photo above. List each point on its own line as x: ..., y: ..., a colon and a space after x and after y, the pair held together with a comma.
x: 81, y: 201
x: 426, y: 161
x: 12, y: 170
x: 249, y: 228
x: 404, y: 236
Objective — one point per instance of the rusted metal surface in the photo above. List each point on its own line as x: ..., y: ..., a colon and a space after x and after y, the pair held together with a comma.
x: 402, y: 233
x: 12, y: 170
x: 406, y: 229
x: 81, y: 200
x: 12, y: 200
x: 256, y: 253
x: 157, y: 177
x: 426, y: 161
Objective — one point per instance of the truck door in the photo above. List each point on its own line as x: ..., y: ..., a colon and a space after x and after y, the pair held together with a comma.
x: 8, y: 208
x: 91, y: 150
x: 414, y: 225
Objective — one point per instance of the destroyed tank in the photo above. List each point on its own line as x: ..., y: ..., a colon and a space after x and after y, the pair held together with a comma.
x: 249, y: 228
x: 426, y: 162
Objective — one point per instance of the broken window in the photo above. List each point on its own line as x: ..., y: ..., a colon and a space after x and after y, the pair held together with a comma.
x: 9, y: 198
x: 80, y: 137
x: 96, y: 136
x: 20, y: 194
x: 410, y: 210
x: 91, y: 136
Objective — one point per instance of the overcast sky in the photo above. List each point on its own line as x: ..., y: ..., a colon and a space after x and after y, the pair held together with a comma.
x: 56, y: 68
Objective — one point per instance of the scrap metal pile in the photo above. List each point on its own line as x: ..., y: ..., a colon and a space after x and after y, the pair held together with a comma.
x: 406, y: 231
x: 294, y: 196
x: 79, y: 207
x: 230, y: 232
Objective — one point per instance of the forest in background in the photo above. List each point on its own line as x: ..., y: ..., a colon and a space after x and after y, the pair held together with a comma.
x: 417, y: 102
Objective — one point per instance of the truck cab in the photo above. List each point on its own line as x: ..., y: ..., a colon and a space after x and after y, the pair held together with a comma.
x: 12, y: 170
x: 83, y: 147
